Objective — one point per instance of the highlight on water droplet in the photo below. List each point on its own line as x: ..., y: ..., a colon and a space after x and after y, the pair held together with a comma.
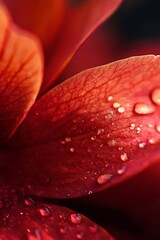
x: 124, y: 157
x: 68, y: 139
x: 110, y: 98
x: 116, y: 105
x: 132, y: 126
x: 76, y: 218
x: 72, y: 149
x: 152, y: 140
x: 63, y: 229
x: 121, y: 109
x: 29, y: 201
x: 93, y: 228
x: 104, y: 178
x: 80, y: 235
x: 111, y: 142
x: 45, y: 211
x: 155, y: 96
x: 121, y: 170
x: 142, y: 144
x: 143, y: 108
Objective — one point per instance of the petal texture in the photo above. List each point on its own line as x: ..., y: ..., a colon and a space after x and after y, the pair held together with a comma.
x: 39, y: 17
x: 80, y: 20
x: 27, y: 218
x: 20, y: 75
x: 62, y: 28
x: 90, y: 132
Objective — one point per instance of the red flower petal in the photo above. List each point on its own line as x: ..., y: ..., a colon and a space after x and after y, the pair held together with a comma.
x: 25, y: 218
x: 81, y: 19
x: 20, y: 75
x: 90, y: 132
x: 40, y: 17
x: 138, y: 198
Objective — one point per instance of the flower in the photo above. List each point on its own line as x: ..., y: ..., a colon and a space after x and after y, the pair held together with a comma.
x: 76, y: 138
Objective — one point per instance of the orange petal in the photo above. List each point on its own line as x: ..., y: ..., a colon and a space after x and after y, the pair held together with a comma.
x: 81, y: 19
x: 20, y: 75
x: 41, y: 17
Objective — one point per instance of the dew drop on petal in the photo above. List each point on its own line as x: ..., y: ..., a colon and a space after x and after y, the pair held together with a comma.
x: 72, y: 149
x: 93, y: 228
x: 80, y: 235
x: 93, y: 138
x: 63, y: 229
x: 116, y: 105
x: 121, y: 170
x: 104, y: 178
x: 121, y: 109
x: 124, y: 157
x: 152, y: 140
x: 158, y: 128
x: 132, y: 126
x: 45, y: 212
x: 76, y: 218
x: 110, y: 98
x: 143, y: 108
x: 155, y: 96
x: 142, y: 144
x: 68, y: 139
x: 111, y: 142
x: 29, y: 201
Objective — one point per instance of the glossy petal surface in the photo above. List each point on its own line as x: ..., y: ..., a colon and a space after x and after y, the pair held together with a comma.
x: 26, y: 218
x: 80, y: 20
x: 41, y: 17
x: 20, y: 75
x: 90, y: 132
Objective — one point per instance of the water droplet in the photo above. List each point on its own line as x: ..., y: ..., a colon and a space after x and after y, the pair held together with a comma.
x: 104, y: 178
x: 63, y: 229
x: 45, y: 212
x: 93, y: 228
x: 110, y: 98
x: 29, y: 201
x: 111, y: 142
x: 138, y: 129
x: 76, y: 218
x: 120, y: 148
x: 121, y: 109
x: 155, y: 96
x: 124, y: 157
x: 1, y: 204
x: 80, y: 235
x: 100, y: 131
x: 121, y: 170
x: 72, y: 149
x: 90, y: 192
x: 143, y: 108
x: 116, y: 105
x: 93, y: 138
x: 132, y: 126
x: 68, y: 139
x: 142, y: 144
x: 152, y: 140
x: 158, y: 128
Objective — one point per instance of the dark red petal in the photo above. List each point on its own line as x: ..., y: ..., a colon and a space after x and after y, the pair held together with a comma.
x: 138, y: 198
x: 94, y: 130
x: 41, y: 17
x: 81, y: 19
x: 26, y: 218
x: 20, y: 75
